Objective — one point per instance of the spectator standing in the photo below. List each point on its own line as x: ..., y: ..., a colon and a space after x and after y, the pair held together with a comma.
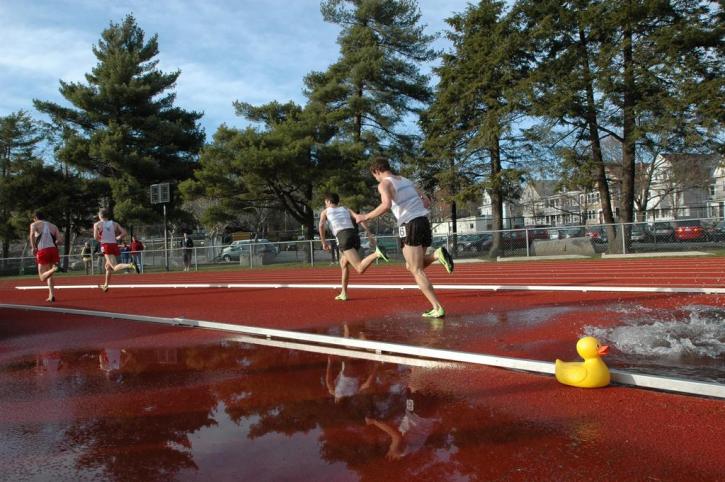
x: 125, y: 253
x: 136, y: 252
x: 188, y: 244
x: 87, y: 257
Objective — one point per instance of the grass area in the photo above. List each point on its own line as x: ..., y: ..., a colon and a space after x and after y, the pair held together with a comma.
x: 325, y: 263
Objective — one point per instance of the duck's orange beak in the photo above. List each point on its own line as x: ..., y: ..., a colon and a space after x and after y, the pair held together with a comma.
x: 603, y: 350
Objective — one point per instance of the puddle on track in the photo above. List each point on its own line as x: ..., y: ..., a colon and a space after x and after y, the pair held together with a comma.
x: 236, y: 411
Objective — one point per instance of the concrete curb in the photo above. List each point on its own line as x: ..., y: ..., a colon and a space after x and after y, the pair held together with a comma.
x: 657, y: 255
x: 534, y: 258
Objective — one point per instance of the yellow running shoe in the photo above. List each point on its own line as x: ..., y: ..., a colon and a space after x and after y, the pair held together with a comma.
x: 382, y: 253
x: 445, y: 258
x: 435, y: 313
x: 341, y: 297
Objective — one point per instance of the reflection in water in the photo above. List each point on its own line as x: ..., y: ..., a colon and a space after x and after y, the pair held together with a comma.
x: 149, y: 414
x: 353, y: 375
x: 237, y: 411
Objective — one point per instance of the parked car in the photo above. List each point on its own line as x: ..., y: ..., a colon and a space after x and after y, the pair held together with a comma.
x: 514, y: 239
x: 474, y: 242
x: 242, y: 247
x: 537, y: 232
x: 390, y: 243
x: 716, y: 232
x: 689, y: 230
x: 566, y: 232
x: 662, y: 231
x: 639, y: 233
x: 597, y: 234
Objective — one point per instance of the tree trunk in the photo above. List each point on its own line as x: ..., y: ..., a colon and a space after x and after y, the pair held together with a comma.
x: 626, y: 206
x: 454, y: 227
x: 496, y: 200
x: 593, y: 126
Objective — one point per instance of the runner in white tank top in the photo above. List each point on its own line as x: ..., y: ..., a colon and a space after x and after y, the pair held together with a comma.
x: 410, y: 207
x: 43, y: 237
x: 108, y: 233
x: 407, y: 203
x: 341, y: 224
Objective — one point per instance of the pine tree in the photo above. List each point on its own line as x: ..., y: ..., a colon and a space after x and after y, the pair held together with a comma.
x: 376, y: 82
x: 477, y: 100
x: 19, y: 141
x: 128, y: 131
x: 284, y: 164
x: 636, y: 71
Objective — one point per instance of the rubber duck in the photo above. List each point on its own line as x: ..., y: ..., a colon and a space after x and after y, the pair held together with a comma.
x: 591, y: 373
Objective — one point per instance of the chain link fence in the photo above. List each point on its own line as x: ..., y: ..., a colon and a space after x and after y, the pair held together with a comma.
x: 703, y: 235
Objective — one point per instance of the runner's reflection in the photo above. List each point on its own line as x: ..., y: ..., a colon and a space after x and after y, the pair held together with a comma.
x: 48, y: 363
x: 353, y: 375
x: 416, y: 421
x: 112, y: 361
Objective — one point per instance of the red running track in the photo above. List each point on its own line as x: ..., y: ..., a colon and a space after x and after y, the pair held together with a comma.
x: 494, y: 424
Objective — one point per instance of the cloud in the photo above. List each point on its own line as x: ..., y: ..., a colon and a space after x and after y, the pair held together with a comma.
x: 249, y: 50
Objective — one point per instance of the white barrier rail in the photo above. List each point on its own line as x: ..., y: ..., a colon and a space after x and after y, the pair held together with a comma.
x: 355, y: 345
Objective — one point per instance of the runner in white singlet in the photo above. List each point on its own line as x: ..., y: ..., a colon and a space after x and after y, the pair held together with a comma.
x: 341, y: 224
x: 43, y: 238
x: 109, y: 233
x: 410, y: 207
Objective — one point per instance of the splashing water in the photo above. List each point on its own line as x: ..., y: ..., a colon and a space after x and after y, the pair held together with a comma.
x: 700, y: 334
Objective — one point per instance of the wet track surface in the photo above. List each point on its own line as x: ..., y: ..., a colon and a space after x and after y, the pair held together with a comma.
x: 93, y: 398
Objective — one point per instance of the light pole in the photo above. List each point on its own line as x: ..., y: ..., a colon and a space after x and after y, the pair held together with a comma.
x: 161, y: 194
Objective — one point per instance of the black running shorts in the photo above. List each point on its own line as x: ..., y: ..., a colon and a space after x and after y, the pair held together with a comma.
x: 416, y: 232
x: 348, y: 239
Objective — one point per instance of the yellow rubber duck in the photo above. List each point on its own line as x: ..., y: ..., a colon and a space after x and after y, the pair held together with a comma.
x: 591, y: 373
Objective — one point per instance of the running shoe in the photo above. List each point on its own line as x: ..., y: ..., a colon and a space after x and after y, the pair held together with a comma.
x: 103, y: 288
x: 382, y: 253
x: 445, y: 258
x: 341, y: 297
x: 135, y: 267
x: 435, y: 313
x: 60, y: 268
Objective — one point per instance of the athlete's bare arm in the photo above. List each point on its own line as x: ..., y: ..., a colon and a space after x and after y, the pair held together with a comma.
x: 387, y: 194
x: 321, y: 229
x: 120, y: 232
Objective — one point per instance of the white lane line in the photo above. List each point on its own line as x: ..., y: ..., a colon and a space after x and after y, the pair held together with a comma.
x: 378, y: 347
x: 465, y: 287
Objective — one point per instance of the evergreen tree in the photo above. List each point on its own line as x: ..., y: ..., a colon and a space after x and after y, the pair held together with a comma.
x: 128, y: 131
x: 283, y: 164
x: 19, y: 140
x: 624, y: 69
x: 468, y: 127
x: 376, y: 82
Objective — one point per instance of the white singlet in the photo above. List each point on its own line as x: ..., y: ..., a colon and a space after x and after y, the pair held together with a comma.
x: 108, y: 233
x: 407, y: 204
x: 339, y: 219
x: 45, y: 240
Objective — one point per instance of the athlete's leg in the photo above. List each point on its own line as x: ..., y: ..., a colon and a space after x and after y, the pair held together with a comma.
x: 414, y: 261
x: 45, y: 273
x: 110, y: 268
x: 360, y: 265
x: 345, y: 268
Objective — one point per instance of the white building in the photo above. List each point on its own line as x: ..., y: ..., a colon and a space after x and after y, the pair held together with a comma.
x: 686, y: 186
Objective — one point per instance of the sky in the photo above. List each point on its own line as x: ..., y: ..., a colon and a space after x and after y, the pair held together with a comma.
x: 246, y: 50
